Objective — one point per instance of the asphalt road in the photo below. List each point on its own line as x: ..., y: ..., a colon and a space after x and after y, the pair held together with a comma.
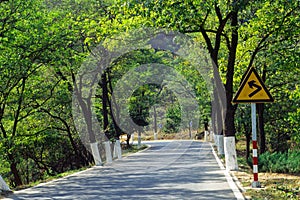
x: 167, y: 170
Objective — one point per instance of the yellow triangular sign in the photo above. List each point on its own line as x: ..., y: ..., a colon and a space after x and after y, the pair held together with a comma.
x: 252, y: 89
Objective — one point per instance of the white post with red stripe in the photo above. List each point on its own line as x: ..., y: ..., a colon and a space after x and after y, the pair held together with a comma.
x: 255, y: 183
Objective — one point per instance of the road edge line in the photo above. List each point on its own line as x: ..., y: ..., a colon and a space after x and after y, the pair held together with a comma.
x: 231, y: 178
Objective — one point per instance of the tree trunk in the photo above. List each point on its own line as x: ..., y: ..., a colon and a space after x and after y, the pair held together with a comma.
x: 229, y: 140
x: 79, y: 154
x: 155, y: 122
x: 218, y: 106
x: 86, y: 107
x: 230, y: 112
x: 261, y: 126
x: 155, y: 119
x: 104, y: 103
x: 248, y: 140
x: 229, y: 121
x: 128, y: 140
x: 14, y: 170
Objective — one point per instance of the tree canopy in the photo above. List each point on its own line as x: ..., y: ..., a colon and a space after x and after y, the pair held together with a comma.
x: 43, y: 44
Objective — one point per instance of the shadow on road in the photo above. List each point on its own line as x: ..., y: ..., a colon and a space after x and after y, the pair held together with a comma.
x: 165, y: 171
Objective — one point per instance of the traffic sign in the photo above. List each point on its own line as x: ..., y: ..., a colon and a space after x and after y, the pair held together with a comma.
x: 252, y: 89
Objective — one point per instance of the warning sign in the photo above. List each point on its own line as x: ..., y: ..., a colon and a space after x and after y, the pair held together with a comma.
x: 252, y: 90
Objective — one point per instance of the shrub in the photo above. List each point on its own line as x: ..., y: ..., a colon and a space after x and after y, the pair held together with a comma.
x: 286, y: 162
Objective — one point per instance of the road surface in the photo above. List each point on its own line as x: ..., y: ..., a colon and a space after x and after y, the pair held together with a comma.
x: 167, y: 170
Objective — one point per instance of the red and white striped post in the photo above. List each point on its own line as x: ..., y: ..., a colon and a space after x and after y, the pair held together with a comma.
x: 255, y: 183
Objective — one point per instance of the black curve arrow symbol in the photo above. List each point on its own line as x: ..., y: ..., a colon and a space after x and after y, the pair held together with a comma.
x: 251, y: 85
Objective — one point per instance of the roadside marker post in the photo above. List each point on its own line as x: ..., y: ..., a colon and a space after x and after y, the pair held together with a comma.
x: 252, y: 90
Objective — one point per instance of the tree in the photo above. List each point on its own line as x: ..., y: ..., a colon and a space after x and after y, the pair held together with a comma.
x: 213, y: 21
x: 33, y: 44
x: 225, y: 27
x: 269, y: 43
x: 22, y: 57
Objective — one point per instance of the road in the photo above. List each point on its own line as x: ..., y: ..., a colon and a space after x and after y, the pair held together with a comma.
x: 166, y: 170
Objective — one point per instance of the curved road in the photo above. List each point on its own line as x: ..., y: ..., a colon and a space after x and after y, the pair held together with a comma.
x: 166, y: 170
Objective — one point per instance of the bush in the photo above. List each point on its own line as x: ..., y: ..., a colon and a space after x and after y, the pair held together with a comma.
x: 287, y: 162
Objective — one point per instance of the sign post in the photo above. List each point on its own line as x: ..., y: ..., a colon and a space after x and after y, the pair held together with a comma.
x: 252, y: 90
x: 255, y: 183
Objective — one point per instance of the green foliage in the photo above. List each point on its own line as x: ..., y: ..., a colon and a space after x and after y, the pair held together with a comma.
x: 269, y: 39
x: 43, y: 43
x: 286, y: 162
x: 140, y: 103
x: 173, y: 119
x: 37, y: 137
x: 294, y: 118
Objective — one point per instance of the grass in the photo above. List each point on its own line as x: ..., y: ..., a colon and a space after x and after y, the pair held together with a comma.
x: 277, y: 188
x: 274, y: 185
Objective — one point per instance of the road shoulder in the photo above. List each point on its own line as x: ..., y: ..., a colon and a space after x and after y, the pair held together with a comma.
x: 232, y: 180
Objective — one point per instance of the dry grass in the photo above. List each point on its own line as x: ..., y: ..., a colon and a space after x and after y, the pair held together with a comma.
x: 274, y: 185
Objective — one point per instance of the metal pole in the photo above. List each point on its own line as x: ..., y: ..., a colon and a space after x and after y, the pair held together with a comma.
x: 255, y: 183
